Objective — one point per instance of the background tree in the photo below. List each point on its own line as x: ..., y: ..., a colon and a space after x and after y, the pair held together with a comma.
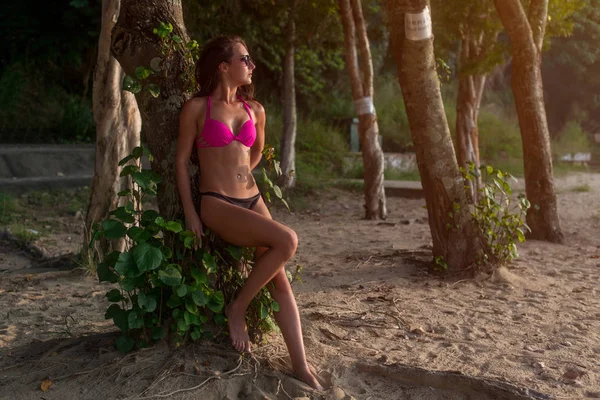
x: 526, y: 38
x: 362, y: 91
x: 288, y: 136
x: 118, y: 125
x: 456, y: 238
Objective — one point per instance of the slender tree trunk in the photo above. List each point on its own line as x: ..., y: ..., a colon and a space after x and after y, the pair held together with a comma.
x: 526, y: 82
x: 456, y: 238
x: 288, y: 139
x: 362, y: 92
x: 134, y: 44
x: 118, y: 126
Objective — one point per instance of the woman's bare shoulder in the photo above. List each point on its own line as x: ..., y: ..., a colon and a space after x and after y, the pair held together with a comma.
x: 195, y: 106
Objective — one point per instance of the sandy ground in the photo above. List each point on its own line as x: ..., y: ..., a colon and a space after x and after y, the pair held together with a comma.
x: 376, y: 324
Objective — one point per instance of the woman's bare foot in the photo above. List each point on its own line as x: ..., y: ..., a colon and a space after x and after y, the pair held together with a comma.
x: 238, y: 332
x: 306, y: 375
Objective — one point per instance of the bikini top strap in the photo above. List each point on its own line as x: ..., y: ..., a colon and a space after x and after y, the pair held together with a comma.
x: 208, y: 107
x: 246, y: 106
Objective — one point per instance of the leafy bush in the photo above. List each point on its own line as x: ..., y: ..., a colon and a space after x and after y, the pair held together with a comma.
x: 500, y: 219
x: 166, y: 283
x: 571, y: 139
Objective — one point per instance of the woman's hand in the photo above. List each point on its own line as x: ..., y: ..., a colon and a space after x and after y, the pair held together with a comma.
x: 193, y: 223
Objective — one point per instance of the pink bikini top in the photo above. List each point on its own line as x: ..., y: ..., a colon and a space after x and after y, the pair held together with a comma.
x: 216, y: 134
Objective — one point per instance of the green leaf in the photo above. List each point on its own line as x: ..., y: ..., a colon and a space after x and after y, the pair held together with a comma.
x: 191, y: 306
x: 208, y: 261
x: 173, y: 226
x: 199, y: 298
x: 520, y: 235
x: 129, y: 284
x: 177, y: 39
x: 167, y: 253
x: 113, y: 229
x: 220, y: 319
x: 147, y: 302
x: 126, y: 159
x: 123, y: 193
x: 191, y: 45
x: 143, y: 72
x: 174, y: 301
x: 182, y: 326
x: 135, y: 320
x: 170, y: 276
x: 153, y: 89
x: 275, y: 306
x: 158, y: 333
x: 114, y: 296
x: 124, y: 344
x: 264, y: 313
x: 489, y: 169
x: 198, y: 275
x: 277, y: 191
x: 216, y: 302
x: 188, y: 318
x: 138, y: 234
x: 121, y: 320
x: 122, y: 214
x: 105, y: 274
x: 195, y: 334
x: 147, y: 257
x: 128, y: 170
x: 182, y: 291
x: 138, y: 151
x: 189, y: 242
x: 285, y: 204
x: 130, y: 84
x: 126, y: 265
x: 235, y: 251
x: 113, y: 310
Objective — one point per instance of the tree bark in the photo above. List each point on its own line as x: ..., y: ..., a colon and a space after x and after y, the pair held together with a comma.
x: 456, y: 238
x: 362, y: 91
x: 288, y: 138
x: 134, y: 44
x: 118, y: 126
x: 526, y: 83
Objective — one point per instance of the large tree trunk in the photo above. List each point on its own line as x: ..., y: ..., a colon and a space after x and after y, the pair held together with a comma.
x: 455, y: 235
x: 288, y: 138
x: 134, y: 44
x: 118, y: 126
x: 526, y: 83
x: 362, y: 91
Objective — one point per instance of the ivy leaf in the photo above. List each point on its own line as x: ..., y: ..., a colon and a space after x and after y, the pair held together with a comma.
x: 177, y: 39
x: 195, y: 334
x: 125, y: 160
x: 130, y: 84
x: 153, y: 89
x: 147, y: 302
x: 113, y: 310
x: 181, y: 291
x: 126, y: 265
x: 122, y: 214
x: 134, y: 319
x: 208, y: 261
x: 128, y: 170
x: 147, y: 257
x: 105, y: 274
x: 143, y: 72
x: 170, y: 276
x: 198, y: 275
x: 124, y: 344
x: 199, y: 298
x: 275, y: 306
x: 173, y: 226
x: 191, y: 306
x: 158, y: 333
x: 235, y: 251
x: 264, y: 313
x: 113, y: 229
x: 138, y: 234
x: 114, y: 296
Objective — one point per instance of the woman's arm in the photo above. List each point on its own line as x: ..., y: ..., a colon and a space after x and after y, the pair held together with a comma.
x: 259, y: 143
x: 192, y: 111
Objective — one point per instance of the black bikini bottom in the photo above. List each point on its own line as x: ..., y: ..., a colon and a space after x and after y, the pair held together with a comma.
x: 244, y: 203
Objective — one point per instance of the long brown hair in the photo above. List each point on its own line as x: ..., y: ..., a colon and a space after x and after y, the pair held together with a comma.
x: 216, y: 51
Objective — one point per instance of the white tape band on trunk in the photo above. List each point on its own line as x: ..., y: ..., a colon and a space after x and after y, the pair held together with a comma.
x: 418, y: 26
x: 364, y: 106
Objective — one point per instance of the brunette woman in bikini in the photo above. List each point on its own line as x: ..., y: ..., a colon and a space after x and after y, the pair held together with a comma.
x: 227, y: 127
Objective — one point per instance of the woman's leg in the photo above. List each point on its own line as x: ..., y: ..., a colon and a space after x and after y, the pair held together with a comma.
x: 288, y: 317
x: 249, y: 229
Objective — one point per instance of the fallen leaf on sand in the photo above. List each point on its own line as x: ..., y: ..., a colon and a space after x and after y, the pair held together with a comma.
x: 46, y: 385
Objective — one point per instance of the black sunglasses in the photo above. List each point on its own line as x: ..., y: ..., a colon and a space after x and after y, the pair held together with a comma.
x: 247, y: 59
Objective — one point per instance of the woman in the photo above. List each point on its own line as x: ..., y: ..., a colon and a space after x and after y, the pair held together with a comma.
x: 227, y: 127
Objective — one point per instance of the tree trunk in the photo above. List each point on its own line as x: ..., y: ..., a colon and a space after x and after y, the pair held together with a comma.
x: 362, y: 92
x: 118, y: 126
x: 288, y: 139
x: 526, y: 83
x: 134, y: 44
x: 456, y: 238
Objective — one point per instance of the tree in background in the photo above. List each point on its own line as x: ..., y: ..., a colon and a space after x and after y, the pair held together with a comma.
x: 118, y: 125
x: 362, y: 91
x: 456, y: 238
x: 526, y: 33
x: 470, y: 29
x: 288, y: 136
